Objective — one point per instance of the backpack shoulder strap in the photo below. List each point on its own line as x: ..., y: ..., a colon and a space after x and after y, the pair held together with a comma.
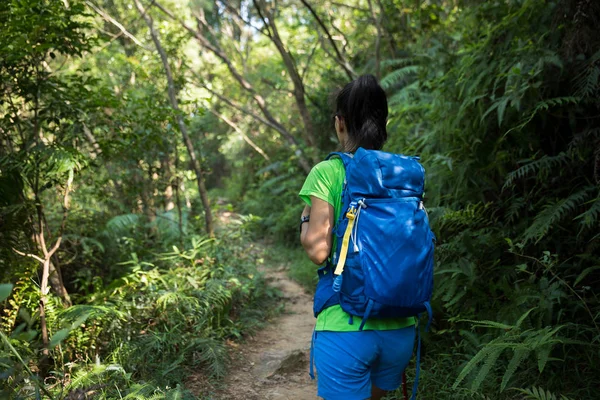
x: 346, y: 157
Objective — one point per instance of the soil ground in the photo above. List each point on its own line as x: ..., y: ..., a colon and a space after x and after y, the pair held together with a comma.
x: 273, y: 364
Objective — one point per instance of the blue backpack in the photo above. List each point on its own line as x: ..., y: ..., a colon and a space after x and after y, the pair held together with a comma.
x: 382, y: 266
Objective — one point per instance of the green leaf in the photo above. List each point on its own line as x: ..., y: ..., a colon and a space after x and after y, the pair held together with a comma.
x: 487, y: 366
x: 524, y: 316
x: 542, y: 355
x: 470, y: 365
x: 5, y: 289
x: 501, y: 109
x: 488, y: 324
x: 585, y: 273
x: 518, y: 356
x: 59, y: 337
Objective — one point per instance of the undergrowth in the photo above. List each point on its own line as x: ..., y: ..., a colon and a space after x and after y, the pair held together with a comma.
x: 168, y: 315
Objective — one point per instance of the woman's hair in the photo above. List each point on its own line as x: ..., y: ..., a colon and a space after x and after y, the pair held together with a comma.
x: 363, y: 106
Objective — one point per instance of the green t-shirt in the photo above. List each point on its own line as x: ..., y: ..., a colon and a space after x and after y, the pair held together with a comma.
x: 325, y: 181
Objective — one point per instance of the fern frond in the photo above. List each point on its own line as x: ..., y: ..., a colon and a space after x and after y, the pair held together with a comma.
x: 403, y: 96
x: 587, y: 83
x: 545, y: 105
x: 488, y: 324
x: 470, y: 366
x: 519, y: 355
x: 121, y: 225
x: 543, y: 354
x: 542, y: 167
x: 535, y: 393
x: 583, y: 140
x: 487, y: 366
x: 212, y: 354
x: 397, y: 62
x: 398, y: 76
x: 555, y: 212
x: 591, y: 216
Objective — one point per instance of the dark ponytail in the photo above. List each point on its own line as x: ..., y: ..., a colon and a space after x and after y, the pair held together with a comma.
x: 363, y: 105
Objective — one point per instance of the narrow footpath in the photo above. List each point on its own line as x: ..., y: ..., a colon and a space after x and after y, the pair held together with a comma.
x: 273, y: 365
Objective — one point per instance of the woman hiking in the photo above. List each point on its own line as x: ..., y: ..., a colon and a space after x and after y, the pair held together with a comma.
x: 352, y: 364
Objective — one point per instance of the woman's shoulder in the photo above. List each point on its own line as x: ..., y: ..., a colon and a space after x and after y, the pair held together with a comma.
x: 332, y: 166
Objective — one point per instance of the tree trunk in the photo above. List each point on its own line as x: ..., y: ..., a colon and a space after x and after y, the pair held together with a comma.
x: 182, y: 127
x: 288, y: 61
x: 377, y: 21
x: 57, y: 283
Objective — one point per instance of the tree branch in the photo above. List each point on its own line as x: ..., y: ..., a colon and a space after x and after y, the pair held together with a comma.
x: 41, y: 260
x: 235, y: 13
x: 340, y: 59
x: 116, y: 23
x: 257, y: 117
x: 247, y: 86
x: 241, y: 133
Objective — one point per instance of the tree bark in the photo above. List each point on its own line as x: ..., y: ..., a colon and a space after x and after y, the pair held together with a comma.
x: 182, y: 127
x: 57, y: 283
x: 46, y: 258
x: 377, y: 21
x: 167, y: 175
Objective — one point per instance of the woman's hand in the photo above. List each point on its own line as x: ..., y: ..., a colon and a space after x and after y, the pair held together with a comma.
x: 315, y: 234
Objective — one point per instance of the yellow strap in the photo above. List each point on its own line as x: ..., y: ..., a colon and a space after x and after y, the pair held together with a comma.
x: 351, y: 214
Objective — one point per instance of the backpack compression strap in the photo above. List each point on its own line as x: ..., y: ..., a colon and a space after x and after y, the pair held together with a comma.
x: 351, y: 215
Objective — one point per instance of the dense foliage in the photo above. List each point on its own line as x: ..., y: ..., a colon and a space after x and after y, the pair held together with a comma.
x: 102, y: 244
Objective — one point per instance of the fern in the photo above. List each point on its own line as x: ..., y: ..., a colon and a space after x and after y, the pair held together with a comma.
x: 397, y: 62
x: 542, y: 167
x: 489, y: 362
x: 591, y: 216
x: 121, y: 225
x: 536, y: 393
x: 398, y: 76
x: 404, y: 96
x: 544, y: 105
x: 543, y: 354
x: 481, y: 355
x: 522, y: 342
x: 519, y: 355
x: 555, y: 212
x: 587, y: 82
x: 212, y: 354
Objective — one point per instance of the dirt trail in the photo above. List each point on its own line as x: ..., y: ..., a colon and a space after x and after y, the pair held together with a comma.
x: 273, y: 365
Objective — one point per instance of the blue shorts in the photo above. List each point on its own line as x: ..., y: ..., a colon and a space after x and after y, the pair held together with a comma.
x: 348, y: 363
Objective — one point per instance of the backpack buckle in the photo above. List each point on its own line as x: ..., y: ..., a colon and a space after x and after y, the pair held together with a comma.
x: 351, y: 214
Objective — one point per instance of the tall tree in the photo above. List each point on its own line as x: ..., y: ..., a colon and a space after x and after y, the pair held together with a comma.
x: 172, y: 91
x: 267, y: 13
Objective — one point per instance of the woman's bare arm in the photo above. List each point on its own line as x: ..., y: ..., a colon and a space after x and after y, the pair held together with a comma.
x: 315, y: 235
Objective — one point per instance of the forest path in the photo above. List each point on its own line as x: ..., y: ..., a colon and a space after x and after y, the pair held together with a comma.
x: 273, y: 364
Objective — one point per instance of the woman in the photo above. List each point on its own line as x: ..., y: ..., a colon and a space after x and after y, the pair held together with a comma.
x: 351, y: 364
